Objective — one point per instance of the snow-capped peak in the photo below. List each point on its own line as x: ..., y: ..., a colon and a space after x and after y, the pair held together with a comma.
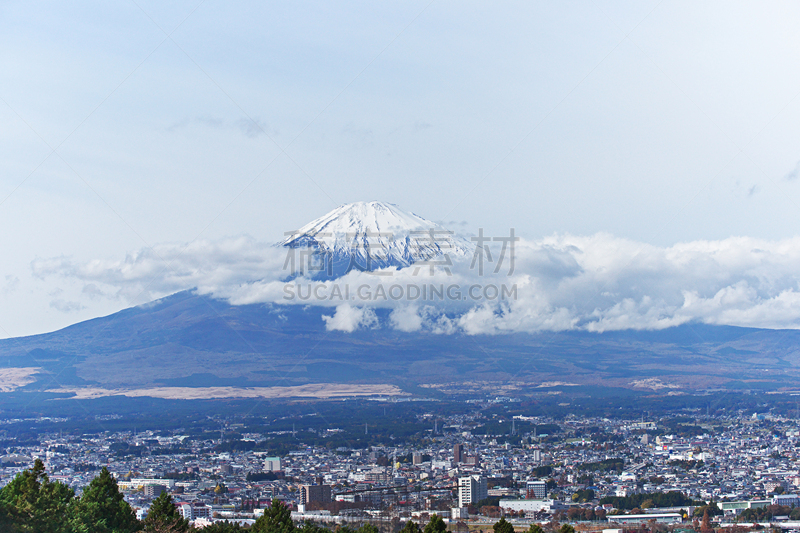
x: 372, y: 235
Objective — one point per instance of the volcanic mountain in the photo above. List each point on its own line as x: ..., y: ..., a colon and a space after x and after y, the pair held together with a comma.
x: 371, y: 236
x: 198, y: 343
x: 192, y: 342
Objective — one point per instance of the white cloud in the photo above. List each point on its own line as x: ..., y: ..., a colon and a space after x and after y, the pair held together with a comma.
x: 561, y: 282
x: 349, y: 319
x: 406, y: 319
x: 10, y: 286
x: 65, y: 306
x: 209, y: 266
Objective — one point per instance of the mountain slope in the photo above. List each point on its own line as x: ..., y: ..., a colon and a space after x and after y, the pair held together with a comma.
x: 190, y: 340
x: 370, y: 236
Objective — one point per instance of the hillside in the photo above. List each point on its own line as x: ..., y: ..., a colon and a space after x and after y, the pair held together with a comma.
x: 187, y: 340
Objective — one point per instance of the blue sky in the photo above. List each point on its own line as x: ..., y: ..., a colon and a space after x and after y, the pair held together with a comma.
x: 658, y: 122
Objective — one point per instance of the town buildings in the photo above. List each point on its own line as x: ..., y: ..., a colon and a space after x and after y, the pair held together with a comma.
x: 577, y: 469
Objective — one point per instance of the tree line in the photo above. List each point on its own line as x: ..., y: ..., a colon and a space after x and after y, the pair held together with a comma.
x: 653, y: 499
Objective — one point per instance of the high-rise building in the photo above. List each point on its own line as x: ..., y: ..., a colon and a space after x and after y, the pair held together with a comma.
x: 458, y: 451
x: 191, y: 511
x: 315, y: 493
x: 154, y: 490
x: 536, y: 490
x: 416, y: 458
x: 272, y: 464
x: 471, y: 489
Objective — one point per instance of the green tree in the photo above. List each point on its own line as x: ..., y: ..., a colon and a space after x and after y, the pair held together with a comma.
x: 436, y: 525
x: 102, y: 509
x: 566, y: 528
x: 32, y: 503
x: 535, y: 528
x: 367, y: 528
x: 410, y: 527
x: 583, y: 495
x: 163, y: 515
x: 713, y: 510
x: 311, y: 527
x: 659, y: 499
x: 503, y: 527
x: 5, y: 518
x: 276, y: 519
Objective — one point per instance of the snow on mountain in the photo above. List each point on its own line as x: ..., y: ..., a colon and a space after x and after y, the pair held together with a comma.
x: 373, y: 235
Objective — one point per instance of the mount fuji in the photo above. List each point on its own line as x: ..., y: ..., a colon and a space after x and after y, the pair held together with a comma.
x: 191, y: 345
x: 371, y: 236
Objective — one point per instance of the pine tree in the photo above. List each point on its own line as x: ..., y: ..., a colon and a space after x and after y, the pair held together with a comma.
x: 32, y: 503
x: 503, y: 527
x: 164, y: 516
x: 223, y: 527
x: 535, y: 528
x: 311, y: 527
x: 410, y: 527
x: 276, y: 519
x: 436, y: 525
x: 102, y: 509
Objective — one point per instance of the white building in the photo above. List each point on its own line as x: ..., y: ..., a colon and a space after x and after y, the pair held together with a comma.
x: 459, y: 513
x: 735, y: 508
x: 536, y: 490
x: 272, y: 464
x: 786, y: 499
x: 661, y: 518
x: 471, y: 489
x: 194, y: 510
x: 532, y: 506
x: 185, y: 509
x: 140, y: 483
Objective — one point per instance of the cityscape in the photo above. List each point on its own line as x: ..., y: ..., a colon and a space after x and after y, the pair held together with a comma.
x: 399, y: 267
x: 742, y: 470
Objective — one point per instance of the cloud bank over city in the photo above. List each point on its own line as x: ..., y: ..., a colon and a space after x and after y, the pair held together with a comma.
x: 561, y: 282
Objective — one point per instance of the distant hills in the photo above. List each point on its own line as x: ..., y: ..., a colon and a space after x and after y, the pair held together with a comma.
x: 191, y: 341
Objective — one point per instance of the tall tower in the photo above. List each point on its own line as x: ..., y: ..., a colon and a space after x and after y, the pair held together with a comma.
x: 471, y: 489
x: 458, y: 453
